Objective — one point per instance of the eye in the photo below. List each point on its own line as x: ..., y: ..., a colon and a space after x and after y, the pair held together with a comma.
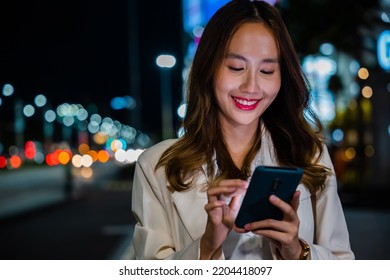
x: 235, y: 69
x: 266, y: 72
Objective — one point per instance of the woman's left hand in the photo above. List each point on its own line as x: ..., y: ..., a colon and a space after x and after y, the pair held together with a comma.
x: 283, y: 234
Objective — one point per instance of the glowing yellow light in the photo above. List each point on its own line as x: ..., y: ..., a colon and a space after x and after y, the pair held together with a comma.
x: 63, y: 158
x: 100, y: 138
x: 363, y: 73
x: 103, y: 156
x: 86, y: 172
x: 83, y: 149
x: 93, y: 154
x: 367, y: 92
x: 350, y: 153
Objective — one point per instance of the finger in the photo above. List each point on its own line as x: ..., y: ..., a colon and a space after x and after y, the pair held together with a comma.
x: 276, y: 236
x: 228, y: 188
x: 217, y: 193
x: 286, y: 208
x: 213, y: 205
x: 239, y: 230
x: 221, y: 191
x: 295, y: 201
x: 238, y: 183
x: 268, y: 224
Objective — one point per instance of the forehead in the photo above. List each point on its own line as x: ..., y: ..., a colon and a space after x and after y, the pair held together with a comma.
x: 253, y: 38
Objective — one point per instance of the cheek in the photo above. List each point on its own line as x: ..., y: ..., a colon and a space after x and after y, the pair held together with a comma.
x: 273, y: 89
x: 222, y: 86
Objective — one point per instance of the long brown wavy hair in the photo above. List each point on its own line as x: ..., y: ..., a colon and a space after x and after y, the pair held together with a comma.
x: 295, y: 141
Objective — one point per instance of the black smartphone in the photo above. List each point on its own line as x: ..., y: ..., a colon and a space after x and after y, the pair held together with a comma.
x: 267, y: 180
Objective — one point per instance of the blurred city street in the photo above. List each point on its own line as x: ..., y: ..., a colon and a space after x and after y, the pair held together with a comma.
x: 97, y: 222
x: 91, y: 224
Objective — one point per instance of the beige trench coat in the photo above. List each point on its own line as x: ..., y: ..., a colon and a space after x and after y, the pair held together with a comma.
x: 170, y: 225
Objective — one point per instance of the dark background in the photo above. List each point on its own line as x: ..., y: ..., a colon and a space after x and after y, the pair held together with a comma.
x: 89, y: 52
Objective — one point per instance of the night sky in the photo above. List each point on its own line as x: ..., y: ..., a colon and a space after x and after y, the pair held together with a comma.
x: 79, y: 52
x: 89, y: 51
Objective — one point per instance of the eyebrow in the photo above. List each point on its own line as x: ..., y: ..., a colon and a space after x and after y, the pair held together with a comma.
x: 238, y: 56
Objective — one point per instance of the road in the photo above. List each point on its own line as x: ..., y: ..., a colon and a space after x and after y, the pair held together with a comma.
x: 39, y: 221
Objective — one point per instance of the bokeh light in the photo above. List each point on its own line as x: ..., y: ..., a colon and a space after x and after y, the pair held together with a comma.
x: 82, y: 114
x: 28, y: 110
x: 86, y: 172
x: 8, y: 90
x: 83, y: 148
x: 182, y: 110
x: 40, y: 100
x: 86, y: 161
x: 367, y: 92
x: 76, y: 161
x: 103, y: 156
x: 165, y: 61
x: 100, y: 138
x: 93, y: 154
x: 338, y: 135
x: 15, y: 161
x: 3, y: 162
x: 64, y: 157
x: 30, y: 150
x: 50, y: 116
x: 363, y: 73
x: 350, y: 153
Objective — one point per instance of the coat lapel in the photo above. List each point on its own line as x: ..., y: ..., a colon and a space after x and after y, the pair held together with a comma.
x: 190, y: 208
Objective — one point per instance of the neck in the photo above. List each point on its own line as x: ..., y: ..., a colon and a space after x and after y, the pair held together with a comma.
x: 239, y: 140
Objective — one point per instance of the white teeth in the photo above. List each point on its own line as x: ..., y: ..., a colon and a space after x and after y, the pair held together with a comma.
x: 245, y: 102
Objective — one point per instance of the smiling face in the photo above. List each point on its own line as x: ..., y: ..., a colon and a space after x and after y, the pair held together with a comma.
x: 249, y: 78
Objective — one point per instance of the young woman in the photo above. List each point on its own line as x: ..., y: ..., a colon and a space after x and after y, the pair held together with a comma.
x: 247, y: 106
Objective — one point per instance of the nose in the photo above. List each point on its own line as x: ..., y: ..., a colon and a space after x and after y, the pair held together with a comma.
x: 250, y: 83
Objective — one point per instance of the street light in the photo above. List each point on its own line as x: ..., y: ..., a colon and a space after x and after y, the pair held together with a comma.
x: 166, y: 62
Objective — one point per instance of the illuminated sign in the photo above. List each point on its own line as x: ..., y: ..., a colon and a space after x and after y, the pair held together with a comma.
x: 384, y: 50
x: 199, y: 12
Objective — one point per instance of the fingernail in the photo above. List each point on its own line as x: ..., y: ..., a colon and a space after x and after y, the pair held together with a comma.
x: 272, y: 198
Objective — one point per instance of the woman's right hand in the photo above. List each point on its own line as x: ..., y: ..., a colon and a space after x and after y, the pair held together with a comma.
x: 220, y: 215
